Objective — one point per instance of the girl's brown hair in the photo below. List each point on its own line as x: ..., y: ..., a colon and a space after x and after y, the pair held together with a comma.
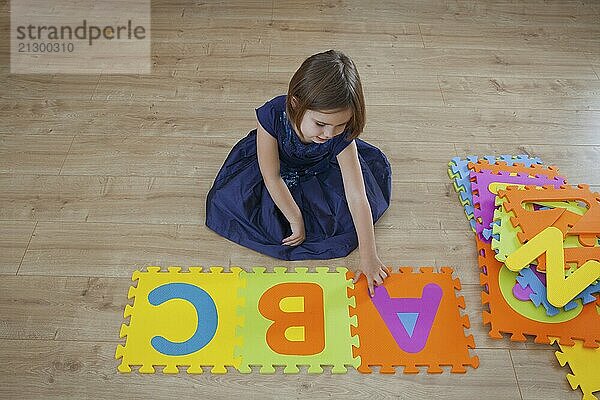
x: 325, y: 82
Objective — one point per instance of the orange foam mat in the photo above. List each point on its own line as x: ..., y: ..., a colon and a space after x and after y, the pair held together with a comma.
x: 517, y: 168
x: 531, y: 222
x: 409, y: 322
x: 507, y: 314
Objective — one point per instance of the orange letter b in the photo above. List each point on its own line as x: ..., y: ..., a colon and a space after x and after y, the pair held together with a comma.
x: 309, y: 318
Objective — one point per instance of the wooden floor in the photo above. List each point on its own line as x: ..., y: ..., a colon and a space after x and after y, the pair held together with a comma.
x: 103, y: 174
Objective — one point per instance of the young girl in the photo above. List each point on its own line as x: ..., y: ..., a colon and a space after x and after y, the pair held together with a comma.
x: 302, y: 186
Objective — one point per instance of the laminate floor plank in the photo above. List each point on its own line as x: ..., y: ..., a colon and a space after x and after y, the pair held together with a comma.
x: 32, y: 154
x: 403, y: 62
x: 59, y: 369
x: 14, y: 239
x: 210, y: 119
x: 105, y: 249
x: 561, y: 94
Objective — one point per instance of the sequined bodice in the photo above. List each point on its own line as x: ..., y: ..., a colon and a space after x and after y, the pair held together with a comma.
x: 301, y: 160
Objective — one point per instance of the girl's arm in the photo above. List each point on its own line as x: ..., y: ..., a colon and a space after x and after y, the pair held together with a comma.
x: 268, y: 162
x: 354, y: 188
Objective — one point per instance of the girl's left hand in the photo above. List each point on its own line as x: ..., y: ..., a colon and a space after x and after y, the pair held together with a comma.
x: 298, y: 235
x: 375, y: 272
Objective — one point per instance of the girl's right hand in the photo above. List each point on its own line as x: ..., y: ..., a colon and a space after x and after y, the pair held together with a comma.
x: 297, y: 235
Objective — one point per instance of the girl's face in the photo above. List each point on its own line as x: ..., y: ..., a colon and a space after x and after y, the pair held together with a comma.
x: 320, y: 126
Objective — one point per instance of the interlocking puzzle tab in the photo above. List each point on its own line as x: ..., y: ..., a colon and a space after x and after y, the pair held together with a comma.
x: 290, y: 318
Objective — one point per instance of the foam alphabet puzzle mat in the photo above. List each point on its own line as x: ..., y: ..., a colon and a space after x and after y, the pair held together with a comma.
x: 410, y: 321
x: 535, y: 281
x: 508, y: 314
x: 484, y: 198
x: 560, y: 290
x: 585, y: 365
x: 458, y: 171
x: 585, y: 226
x: 505, y: 239
x: 296, y: 319
x: 182, y: 319
x: 538, y: 250
x: 199, y: 319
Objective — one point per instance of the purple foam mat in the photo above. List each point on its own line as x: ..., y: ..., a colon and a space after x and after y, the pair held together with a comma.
x: 480, y: 182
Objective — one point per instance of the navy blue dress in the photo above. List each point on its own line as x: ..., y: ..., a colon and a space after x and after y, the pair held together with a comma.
x: 240, y: 208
